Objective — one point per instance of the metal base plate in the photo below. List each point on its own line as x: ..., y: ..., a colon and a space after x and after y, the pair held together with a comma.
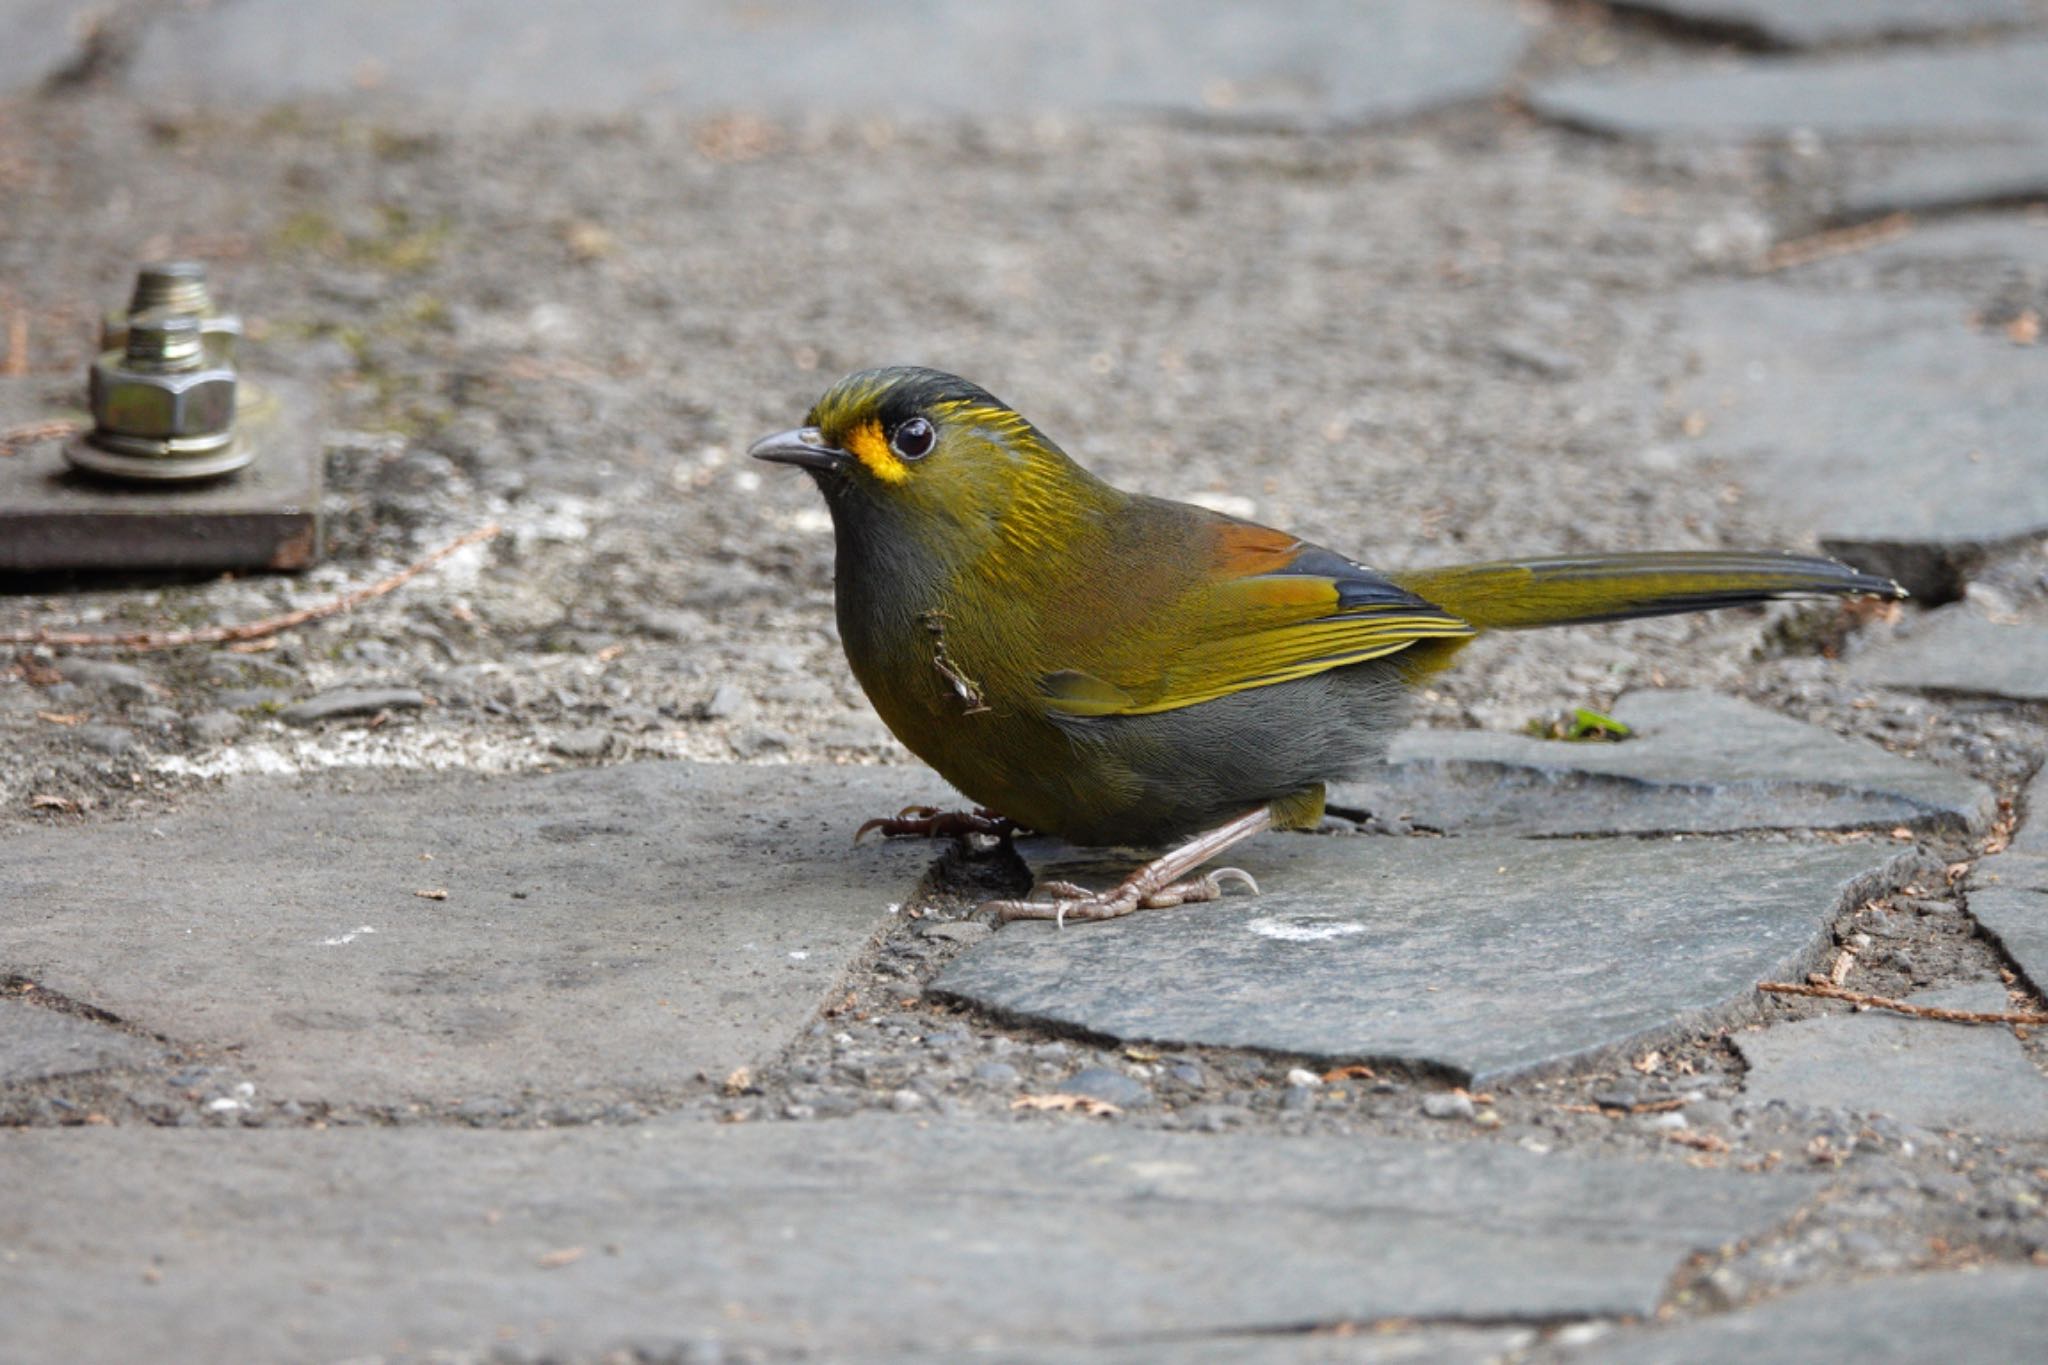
x: 267, y: 515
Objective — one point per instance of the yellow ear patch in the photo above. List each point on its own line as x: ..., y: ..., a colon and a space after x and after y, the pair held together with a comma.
x: 866, y: 444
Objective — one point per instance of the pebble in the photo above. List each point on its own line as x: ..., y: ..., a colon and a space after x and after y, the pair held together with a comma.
x: 1189, y: 1075
x: 113, y: 740
x: 1297, y: 1098
x: 962, y: 931
x: 725, y: 703
x: 590, y: 742
x: 352, y: 701
x: 125, y: 681
x: 1615, y: 1099
x: 214, y: 727
x: 1111, y: 1086
x: 754, y: 742
x: 665, y: 624
x: 1447, y: 1104
x: 905, y: 1101
x: 243, y: 698
x: 1662, y: 1123
x: 1306, y: 1080
x: 997, y: 1075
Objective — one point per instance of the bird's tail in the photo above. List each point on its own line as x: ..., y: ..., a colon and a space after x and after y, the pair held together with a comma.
x: 1578, y: 589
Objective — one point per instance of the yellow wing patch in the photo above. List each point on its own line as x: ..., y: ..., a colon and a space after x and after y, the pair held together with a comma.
x: 867, y: 444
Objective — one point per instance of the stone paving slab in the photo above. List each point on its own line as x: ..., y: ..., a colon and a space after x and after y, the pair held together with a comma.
x: 2009, y: 892
x: 1980, y: 1317
x: 1816, y: 23
x: 1960, y: 652
x: 1484, y: 958
x: 1906, y: 437
x: 1696, y: 763
x: 1377, y: 1345
x: 1944, y: 179
x: 1920, y: 1071
x: 862, y: 1235
x: 38, y: 1044
x: 606, y: 931
x: 1982, y: 91
x: 1318, y: 60
x: 2015, y: 914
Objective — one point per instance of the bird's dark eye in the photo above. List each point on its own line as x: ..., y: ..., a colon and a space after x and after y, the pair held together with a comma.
x: 913, y: 439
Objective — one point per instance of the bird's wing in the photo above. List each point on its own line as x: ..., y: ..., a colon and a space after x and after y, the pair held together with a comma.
x: 1260, y: 608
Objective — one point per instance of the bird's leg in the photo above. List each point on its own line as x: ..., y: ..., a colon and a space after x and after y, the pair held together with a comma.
x: 1155, y: 886
x: 929, y: 822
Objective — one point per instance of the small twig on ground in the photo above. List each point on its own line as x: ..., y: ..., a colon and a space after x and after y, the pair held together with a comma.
x: 1879, y: 1002
x: 1838, y: 242
x: 144, y: 641
x: 15, y: 439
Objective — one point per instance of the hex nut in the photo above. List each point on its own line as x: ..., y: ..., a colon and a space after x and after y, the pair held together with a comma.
x: 183, y: 404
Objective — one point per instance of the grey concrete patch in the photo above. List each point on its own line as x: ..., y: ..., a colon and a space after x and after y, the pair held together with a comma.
x: 1920, y: 1071
x: 611, y: 931
x: 1815, y: 23
x: 318, y: 1245
x: 1485, y: 958
x: 1324, y: 60
x: 1982, y: 1317
x: 1697, y: 763
x: 1905, y: 436
x: 1943, y: 179
x: 38, y: 1044
x: 1959, y: 651
x: 1983, y: 91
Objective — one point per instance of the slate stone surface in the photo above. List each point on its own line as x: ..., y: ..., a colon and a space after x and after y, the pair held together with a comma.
x: 1908, y: 438
x: 1947, y: 178
x: 870, y: 1236
x: 1697, y: 763
x: 1484, y: 958
x: 38, y: 1044
x: 1921, y: 1071
x: 610, y: 931
x: 1814, y: 23
x: 1317, y: 60
x: 1984, y: 91
x: 1981, y: 1317
x: 1960, y: 651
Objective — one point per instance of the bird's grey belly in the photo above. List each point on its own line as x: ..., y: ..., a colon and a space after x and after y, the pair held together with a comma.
x: 1193, y: 768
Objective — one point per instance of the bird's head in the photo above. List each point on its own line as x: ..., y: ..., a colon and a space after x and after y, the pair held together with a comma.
x: 920, y: 444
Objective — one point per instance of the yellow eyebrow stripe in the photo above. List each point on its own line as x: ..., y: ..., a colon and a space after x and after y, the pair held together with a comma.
x: 865, y: 444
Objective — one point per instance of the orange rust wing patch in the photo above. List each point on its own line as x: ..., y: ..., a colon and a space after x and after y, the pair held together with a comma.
x: 1246, y: 549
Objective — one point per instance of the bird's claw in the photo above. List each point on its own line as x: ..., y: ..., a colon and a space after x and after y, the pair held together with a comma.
x: 929, y: 822
x: 1070, y: 901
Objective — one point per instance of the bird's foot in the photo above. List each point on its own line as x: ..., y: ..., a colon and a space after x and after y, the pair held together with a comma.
x: 929, y: 822
x: 1142, y: 890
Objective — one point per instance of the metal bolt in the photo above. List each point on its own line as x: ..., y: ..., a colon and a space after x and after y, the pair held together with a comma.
x: 174, y: 287
x: 163, y: 405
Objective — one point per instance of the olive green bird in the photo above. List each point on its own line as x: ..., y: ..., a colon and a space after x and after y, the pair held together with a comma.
x: 1117, y: 669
